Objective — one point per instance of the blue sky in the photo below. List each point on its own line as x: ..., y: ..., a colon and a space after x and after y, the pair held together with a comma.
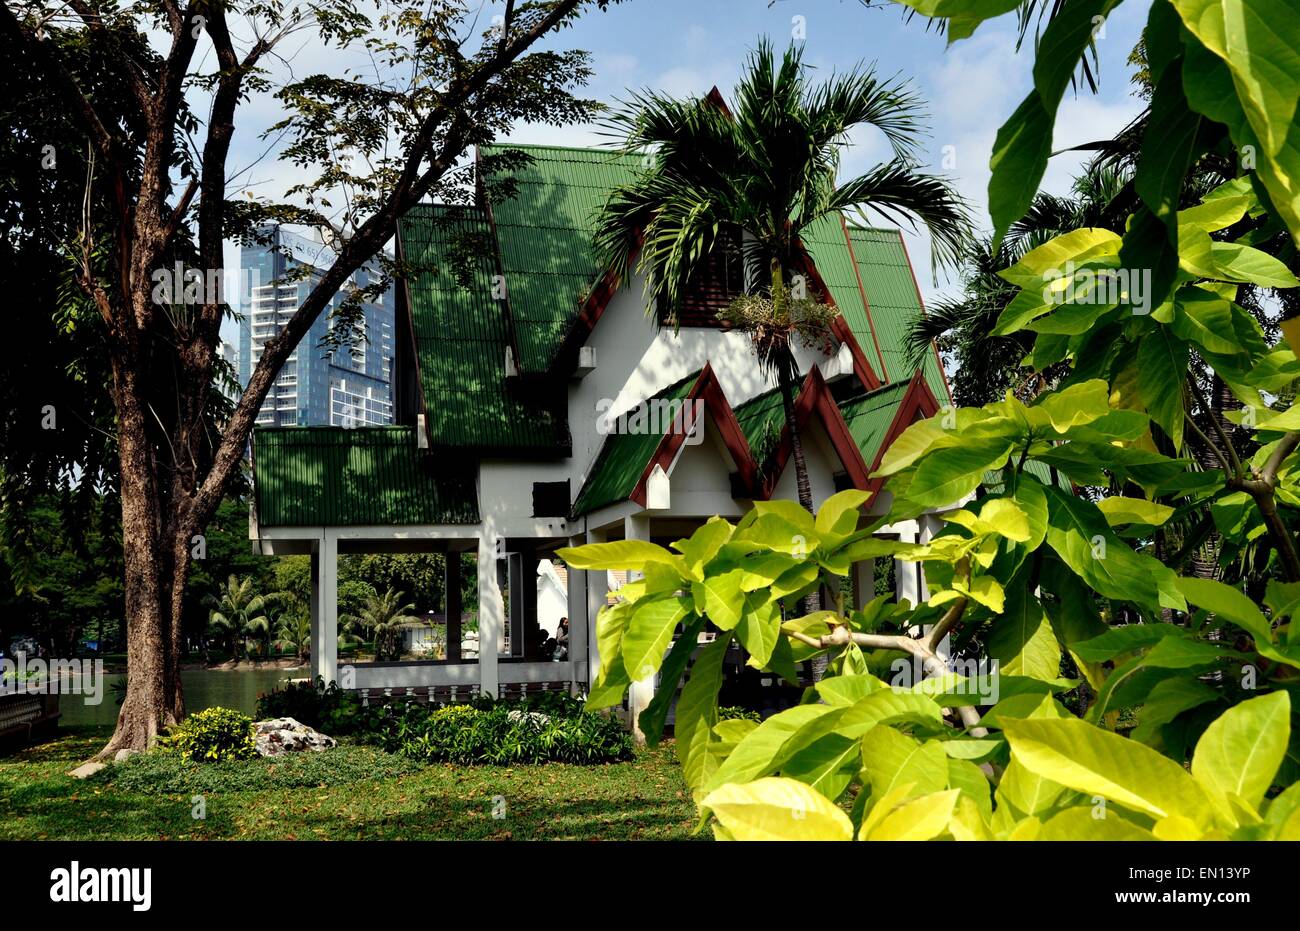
x: 687, y: 46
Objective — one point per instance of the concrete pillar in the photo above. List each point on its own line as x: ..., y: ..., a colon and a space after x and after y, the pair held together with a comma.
x: 317, y: 622
x: 451, y: 604
x: 642, y: 691
x: 597, y: 589
x: 907, y: 574
x: 579, y: 624
x: 327, y: 662
x: 516, y: 584
x: 491, y: 611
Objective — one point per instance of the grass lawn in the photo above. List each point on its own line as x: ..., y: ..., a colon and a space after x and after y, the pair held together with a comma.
x: 643, y: 799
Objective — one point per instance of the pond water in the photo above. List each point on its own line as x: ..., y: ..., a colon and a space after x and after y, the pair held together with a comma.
x: 204, y: 688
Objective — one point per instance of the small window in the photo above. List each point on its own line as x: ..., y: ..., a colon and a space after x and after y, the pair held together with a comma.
x: 551, y: 499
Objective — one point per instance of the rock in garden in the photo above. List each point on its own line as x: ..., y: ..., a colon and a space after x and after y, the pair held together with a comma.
x: 124, y: 754
x: 86, y: 770
x: 279, y: 736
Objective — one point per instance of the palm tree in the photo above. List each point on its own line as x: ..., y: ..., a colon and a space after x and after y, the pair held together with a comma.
x: 762, y: 175
x: 383, y: 615
x: 237, y: 611
x: 294, y: 633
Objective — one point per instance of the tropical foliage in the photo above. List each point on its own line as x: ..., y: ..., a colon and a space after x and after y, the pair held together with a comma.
x: 1064, y: 677
x: 382, y: 616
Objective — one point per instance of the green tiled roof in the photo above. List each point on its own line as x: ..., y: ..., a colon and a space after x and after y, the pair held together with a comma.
x: 869, y: 415
x: 461, y: 338
x: 825, y: 242
x: 623, y: 458
x: 545, y: 234
x: 893, y: 300
x: 761, y: 419
x: 332, y: 476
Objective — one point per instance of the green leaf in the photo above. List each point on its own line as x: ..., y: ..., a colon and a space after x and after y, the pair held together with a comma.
x: 1120, y: 510
x: 1168, y: 146
x: 1240, y: 751
x: 1125, y: 639
x: 949, y: 474
x: 1167, y: 701
x: 1027, y: 791
x: 971, y: 781
x: 755, y: 755
x: 920, y: 819
x: 1081, y: 823
x: 652, y: 718
x: 1022, y: 640
x: 1079, y: 534
x: 1162, y: 366
x: 649, y: 632
x: 777, y: 809
x: 704, y: 544
x: 721, y: 598
x: 838, y: 516
x: 697, y: 713
x: 892, y: 759
x: 758, y: 631
x: 1087, y: 759
x: 632, y: 555
x: 1231, y: 605
x: 611, y: 680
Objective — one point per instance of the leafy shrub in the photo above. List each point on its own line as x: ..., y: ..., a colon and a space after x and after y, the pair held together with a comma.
x: 168, y: 774
x: 212, y: 735
x: 536, y: 730
x: 329, y: 709
x: 733, y: 713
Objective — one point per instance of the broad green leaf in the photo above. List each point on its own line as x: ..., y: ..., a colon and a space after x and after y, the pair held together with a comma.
x: 704, y: 544
x: 949, y: 474
x: 758, y: 631
x: 1081, y: 823
x: 649, y: 632
x: 697, y: 713
x: 1027, y: 791
x: 777, y: 809
x: 838, y: 516
x: 632, y: 555
x: 1022, y: 640
x: 1162, y: 366
x: 892, y: 759
x: 1231, y: 605
x: 1168, y: 146
x: 973, y: 784
x: 652, y: 718
x: 757, y: 753
x: 919, y: 819
x: 1240, y: 751
x: 1079, y: 534
x: 721, y: 598
x: 1074, y: 406
x: 1125, y: 639
x: 1076, y: 247
x: 1120, y: 510
x: 847, y: 690
x: 1088, y: 759
x: 1004, y: 516
x: 1166, y: 701
x: 612, y: 680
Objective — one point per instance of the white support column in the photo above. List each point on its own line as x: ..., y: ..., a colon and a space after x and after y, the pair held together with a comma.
x: 597, y: 591
x: 642, y: 691
x: 317, y: 625
x: 578, y: 622
x: 328, y: 662
x: 491, y: 611
x: 906, y: 574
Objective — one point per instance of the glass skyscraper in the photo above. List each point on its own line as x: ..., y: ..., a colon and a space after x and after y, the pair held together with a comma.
x: 347, y: 387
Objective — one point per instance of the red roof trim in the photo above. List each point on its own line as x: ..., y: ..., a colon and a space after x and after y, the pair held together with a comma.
x: 921, y: 301
x: 866, y: 305
x: 815, y: 397
x: 707, y: 389
x: 918, y: 403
